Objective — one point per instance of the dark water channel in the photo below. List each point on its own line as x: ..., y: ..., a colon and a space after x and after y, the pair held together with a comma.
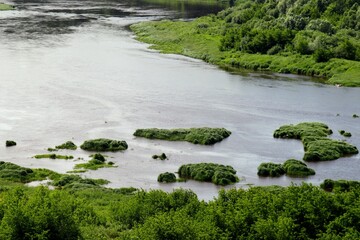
x: 70, y: 70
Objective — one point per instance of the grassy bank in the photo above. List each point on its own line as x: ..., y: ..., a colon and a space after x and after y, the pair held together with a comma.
x: 207, y: 38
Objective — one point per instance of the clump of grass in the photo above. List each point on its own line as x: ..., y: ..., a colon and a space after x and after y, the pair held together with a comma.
x: 67, y: 145
x: 204, y: 136
x: 339, y: 185
x: 10, y: 143
x: 98, y: 161
x: 344, y: 133
x: 53, y: 156
x: 317, y: 146
x: 5, y: 7
x: 161, y: 156
x: 355, y: 116
x: 209, y: 172
x: 75, y: 181
x: 166, y: 177
x: 103, y: 144
x: 270, y: 170
x: 52, y: 150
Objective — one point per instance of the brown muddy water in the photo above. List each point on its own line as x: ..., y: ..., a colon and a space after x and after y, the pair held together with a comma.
x: 71, y: 70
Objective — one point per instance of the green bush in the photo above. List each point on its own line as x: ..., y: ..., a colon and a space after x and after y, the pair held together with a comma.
x: 270, y: 170
x: 53, y: 156
x: 204, y: 136
x: 166, y: 177
x: 339, y: 185
x: 103, y: 144
x: 67, y: 145
x: 296, y: 168
x: 10, y: 143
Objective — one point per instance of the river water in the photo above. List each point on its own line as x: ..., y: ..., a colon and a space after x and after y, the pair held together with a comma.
x: 71, y: 70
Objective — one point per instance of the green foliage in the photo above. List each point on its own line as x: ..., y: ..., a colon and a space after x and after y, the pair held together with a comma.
x: 355, y: 116
x: 339, y: 185
x: 209, y: 172
x: 161, y: 156
x: 166, y: 177
x: 316, y: 144
x: 344, y: 133
x: 291, y: 167
x: 10, y: 143
x: 98, y: 161
x: 52, y: 150
x: 270, y: 170
x: 6, y: 7
x: 76, y: 182
x: 103, y: 144
x: 204, y: 136
x: 53, y: 156
x: 67, y: 145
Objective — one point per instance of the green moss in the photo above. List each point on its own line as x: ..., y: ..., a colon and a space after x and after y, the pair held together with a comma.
x: 270, y: 170
x: 344, y: 133
x: 204, y: 136
x: 296, y: 168
x: 166, y: 177
x: 67, y: 145
x: 317, y: 146
x: 53, y: 156
x: 5, y: 7
x: 103, y: 144
x: 10, y: 143
x: 339, y: 185
x: 161, y: 156
x: 209, y: 172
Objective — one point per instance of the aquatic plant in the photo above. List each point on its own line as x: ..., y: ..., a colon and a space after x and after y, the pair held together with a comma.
x: 98, y: 161
x: 53, y: 156
x: 296, y: 168
x: 209, y: 172
x: 67, y: 145
x: 10, y: 143
x: 270, y: 170
x: 166, y: 177
x: 5, y: 7
x: 204, y: 136
x: 161, y: 156
x: 103, y: 144
x: 344, y: 133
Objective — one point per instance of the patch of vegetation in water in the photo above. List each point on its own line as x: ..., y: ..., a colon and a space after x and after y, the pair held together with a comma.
x: 52, y: 150
x: 344, y: 133
x: 103, y: 145
x: 355, y: 116
x: 317, y: 146
x: 339, y: 185
x: 167, y: 177
x: 67, y: 145
x: 10, y: 143
x: 161, y: 156
x: 98, y: 161
x: 77, y: 182
x: 209, y: 172
x: 204, y: 136
x: 53, y: 156
x: 6, y: 7
x: 296, y: 168
x: 270, y: 170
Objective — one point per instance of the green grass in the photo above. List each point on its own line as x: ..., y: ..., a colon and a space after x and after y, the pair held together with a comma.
x: 204, y: 136
x: 5, y: 7
x: 167, y: 177
x: 67, y: 145
x: 339, y: 185
x: 103, y: 144
x: 209, y: 172
x: 317, y: 145
x: 98, y: 161
x: 201, y: 39
x: 53, y: 156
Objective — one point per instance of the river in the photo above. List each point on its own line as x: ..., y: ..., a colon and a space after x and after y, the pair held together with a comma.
x: 71, y: 70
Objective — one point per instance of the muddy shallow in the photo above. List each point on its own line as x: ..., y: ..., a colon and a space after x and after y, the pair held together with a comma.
x: 88, y: 78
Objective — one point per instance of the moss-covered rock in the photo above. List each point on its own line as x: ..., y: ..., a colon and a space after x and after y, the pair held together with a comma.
x: 166, y: 177
x: 103, y: 144
x: 209, y: 172
x: 296, y: 168
x: 339, y: 185
x: 161, y: 156
x: 53, y: 156
x: 10, y: 143
x: 270, y: 170
x: 204, y: 136
x: 317, y: 146
x: 67, y: 145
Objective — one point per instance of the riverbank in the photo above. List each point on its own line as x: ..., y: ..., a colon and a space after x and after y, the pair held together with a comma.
x: 201, y: 39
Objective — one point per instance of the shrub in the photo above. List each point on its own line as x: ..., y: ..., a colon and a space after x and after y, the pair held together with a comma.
x: 103, y: 144
x: 166, y: 177
x: 296, y: 168
x: 67, y: 145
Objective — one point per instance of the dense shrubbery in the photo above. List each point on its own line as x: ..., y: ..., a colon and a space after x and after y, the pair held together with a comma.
x: 316, y: 144
x: 270, y: 170
x: 97, y: 161
x: 291, y: 167
x: 67, y: 145
x: 102, y: 144
x: 205, y: 136
x: 209, y: 172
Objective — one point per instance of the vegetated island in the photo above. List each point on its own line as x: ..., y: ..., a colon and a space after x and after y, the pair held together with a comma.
x: 69, y: 145
x: 316, y: 38
x: 6, y: 7
x: 317, y: 145
x: 166, y: 177
x: 209, y: 172
x: 204, y: 136
x: 291, y: 167
x: 103, y: 145
x: 10, y: 143
x: 53, y: 156
x: 98, y: 161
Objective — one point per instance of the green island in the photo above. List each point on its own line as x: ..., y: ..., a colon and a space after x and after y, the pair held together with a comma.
x: 291, y: 167
x: 67, y: 145
x: 204, y: 136
x: 315, y: 38
x: 53, y: 156
x: 10, y: 143
x: 166, y: 177
x: 209, y: 172
x: 6, y: 7
x: 98, y: 161
x: 317, y: 145
x: 83, y: 209
x: 103, y: 145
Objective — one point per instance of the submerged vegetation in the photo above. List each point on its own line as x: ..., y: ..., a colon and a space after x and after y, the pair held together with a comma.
x: 103, y: 144
x: 209, y: 172
x: 291, y: 167
x: 53, y: 156
x: 204, y: 136
x: 67, y: 145
x: 316, y: 38
x: 317, y: 146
